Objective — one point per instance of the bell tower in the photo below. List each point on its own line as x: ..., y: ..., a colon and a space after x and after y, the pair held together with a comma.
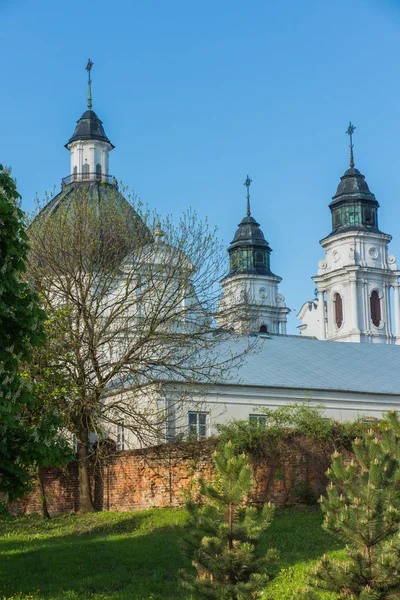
x: 89, y: 146
x: 251, y: 301
x: 357, y: 279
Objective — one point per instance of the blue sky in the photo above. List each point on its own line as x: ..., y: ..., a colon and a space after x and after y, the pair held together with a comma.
x: 195, y: 95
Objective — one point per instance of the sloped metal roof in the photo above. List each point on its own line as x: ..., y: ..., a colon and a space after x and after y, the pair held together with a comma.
x: 305, y: 363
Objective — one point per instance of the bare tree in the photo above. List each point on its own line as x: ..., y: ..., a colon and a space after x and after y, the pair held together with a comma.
x: 138, y: 301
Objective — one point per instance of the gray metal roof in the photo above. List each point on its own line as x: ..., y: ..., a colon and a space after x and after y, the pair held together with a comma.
x: 304, y: 363
x: 352, y: 187
x: 89, y: 127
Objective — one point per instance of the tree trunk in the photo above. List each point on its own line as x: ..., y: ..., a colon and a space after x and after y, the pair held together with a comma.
x: 42, y: 491
x: 85, y: 495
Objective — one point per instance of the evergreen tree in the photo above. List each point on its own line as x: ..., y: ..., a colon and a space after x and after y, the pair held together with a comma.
x: 223, y: 533
x: 362, y: 508
x: 21, y: 327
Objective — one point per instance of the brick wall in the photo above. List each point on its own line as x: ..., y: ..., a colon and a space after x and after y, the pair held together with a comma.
x: 159, y: 477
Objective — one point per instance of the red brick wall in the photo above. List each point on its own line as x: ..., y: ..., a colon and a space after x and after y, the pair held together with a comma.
x: 159, y: 477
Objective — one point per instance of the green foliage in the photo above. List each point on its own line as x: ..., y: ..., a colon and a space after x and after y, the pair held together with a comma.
x: 21, y: 326
x: 53, y: 389
x: 302, y: 419
x: 362, y: 509
x: 223, y: 534
x: 245, y: 436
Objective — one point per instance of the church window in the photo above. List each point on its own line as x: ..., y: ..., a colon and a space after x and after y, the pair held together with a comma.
x: 259, y: 258
x: 98, y: 169
x: 263, y: 329
x: 85, y: 168
x: 336, y: 219
x: 75, y: 170
x: 375, y: 308
x: 338, y: 302
x: 198, y: 425
x: 120, y: 436
x: 234, y: 261
x: 258, y: 421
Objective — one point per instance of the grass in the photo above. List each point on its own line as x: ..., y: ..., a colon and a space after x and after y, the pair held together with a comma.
x: 134, y: 556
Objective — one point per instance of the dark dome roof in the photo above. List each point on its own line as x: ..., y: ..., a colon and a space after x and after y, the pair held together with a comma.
x: 89, y: 127
x: 98, y: 194
x: 352, y: 187
x: 249, y: 234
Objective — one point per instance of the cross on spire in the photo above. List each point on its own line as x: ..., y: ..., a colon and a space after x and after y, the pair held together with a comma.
x: 88, y: 69
x: 350, y: 131
x: 247, y: 185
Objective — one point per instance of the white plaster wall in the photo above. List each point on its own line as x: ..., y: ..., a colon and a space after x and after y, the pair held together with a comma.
x: 261, y: 301
x: 91, y: 152
x: 355, y: 264
x: 224, y: 403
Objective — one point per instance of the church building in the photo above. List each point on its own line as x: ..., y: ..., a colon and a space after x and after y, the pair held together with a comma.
x: 357, y: 302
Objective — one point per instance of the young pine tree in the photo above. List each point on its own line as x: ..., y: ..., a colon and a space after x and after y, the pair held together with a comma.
x: 223, y: 533
x: 362, y: 508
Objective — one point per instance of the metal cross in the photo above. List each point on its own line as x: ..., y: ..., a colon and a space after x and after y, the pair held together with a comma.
x: 350, y: 131
x: 247, y: 185
x: 89, y: 67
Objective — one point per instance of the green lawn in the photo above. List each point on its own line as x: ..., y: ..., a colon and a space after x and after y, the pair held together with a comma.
x: 133, y: 556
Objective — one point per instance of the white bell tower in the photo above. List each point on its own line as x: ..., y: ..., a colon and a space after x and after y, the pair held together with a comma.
x: 251, y: 302
x: 358, y: 287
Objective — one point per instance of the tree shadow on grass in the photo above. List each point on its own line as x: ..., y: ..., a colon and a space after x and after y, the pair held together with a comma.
x: 298, y: 536
x: 134, y: 558
x: 136, y: 567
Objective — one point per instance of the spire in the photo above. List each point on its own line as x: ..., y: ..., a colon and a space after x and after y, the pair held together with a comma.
x: 247, y: 185
x: 350, y: 131
x: 89, y: 96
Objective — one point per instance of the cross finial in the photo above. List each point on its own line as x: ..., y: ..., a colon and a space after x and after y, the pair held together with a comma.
x: 350, y: 131
x: 88, y: 69
x: 159, y: 234
x: 247, y: 185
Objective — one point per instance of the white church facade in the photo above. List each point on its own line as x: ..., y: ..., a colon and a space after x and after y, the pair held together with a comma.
x: 357, y: 303
x: 357, y: 280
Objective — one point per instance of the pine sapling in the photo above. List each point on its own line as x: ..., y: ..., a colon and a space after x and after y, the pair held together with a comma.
x: 223, y: 535
x: 362, y: 508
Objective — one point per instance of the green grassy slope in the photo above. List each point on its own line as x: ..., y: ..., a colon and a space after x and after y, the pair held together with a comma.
x: 133, y: 556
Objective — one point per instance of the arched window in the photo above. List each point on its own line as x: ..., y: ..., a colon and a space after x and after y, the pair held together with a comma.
x: 98, y: 169
x: 375, y: 308
x: 263, y: 329
x: 259, y: 258
x: 85, y: 168
x: 338, y: 310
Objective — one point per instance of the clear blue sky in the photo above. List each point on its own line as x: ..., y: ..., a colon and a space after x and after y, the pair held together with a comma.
x: 195, y: 95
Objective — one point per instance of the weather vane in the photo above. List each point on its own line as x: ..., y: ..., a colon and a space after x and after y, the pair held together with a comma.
x: 247, y: 185
x: 350, y: 131
x: 88, y: 69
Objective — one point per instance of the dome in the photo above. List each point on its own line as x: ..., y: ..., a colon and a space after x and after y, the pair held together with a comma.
x: 99, y: 195
x: 89, y: 127
x: 249, y: 234
x: 249, y: 251
x: 353, y: 207
x: 352, y: 186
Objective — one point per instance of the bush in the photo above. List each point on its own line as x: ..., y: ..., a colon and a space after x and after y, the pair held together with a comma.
x: 302, y: 419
